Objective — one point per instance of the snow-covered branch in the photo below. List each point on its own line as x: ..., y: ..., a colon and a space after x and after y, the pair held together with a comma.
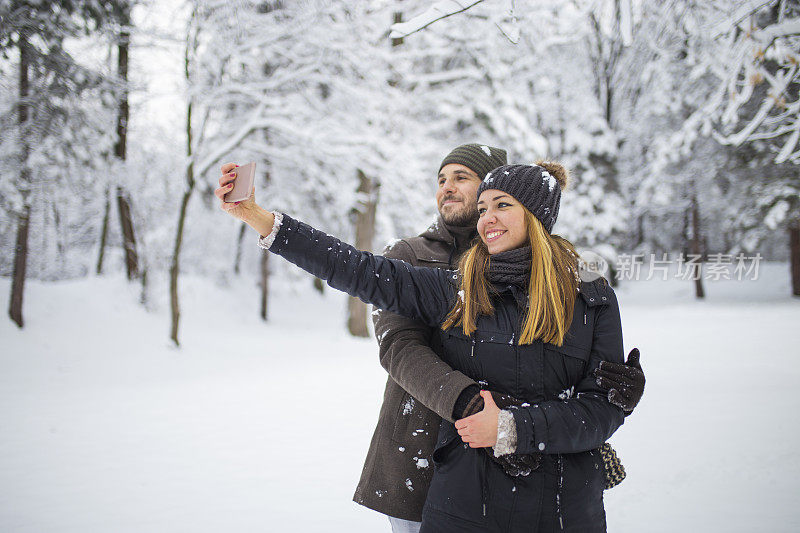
x: 438, y: 11
x: 233, y: 140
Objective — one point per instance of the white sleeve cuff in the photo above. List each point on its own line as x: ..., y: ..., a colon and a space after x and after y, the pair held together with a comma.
x: 266, y: 241
x: 506, y: 434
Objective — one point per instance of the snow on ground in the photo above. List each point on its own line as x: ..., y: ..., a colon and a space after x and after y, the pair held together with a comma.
x: 263, y: 427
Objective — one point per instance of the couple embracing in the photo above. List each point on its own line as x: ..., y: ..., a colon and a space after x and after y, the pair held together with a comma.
x: 506, y: 369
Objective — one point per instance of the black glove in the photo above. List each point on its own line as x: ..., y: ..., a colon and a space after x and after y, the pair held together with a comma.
x: 475, y: 404
x: 513, y: 464
x: 624, y: 382
x: 470, y: 402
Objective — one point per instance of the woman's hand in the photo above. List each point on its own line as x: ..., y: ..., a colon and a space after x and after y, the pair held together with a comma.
x: 480, y: 429
x: 240, y: 210
x: 247, y: 210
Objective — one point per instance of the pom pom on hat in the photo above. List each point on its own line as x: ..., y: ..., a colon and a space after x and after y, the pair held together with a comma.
x: 556, y: 170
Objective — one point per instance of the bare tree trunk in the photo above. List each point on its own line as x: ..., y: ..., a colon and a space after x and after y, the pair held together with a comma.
x: 639, y: 229
x: 61, y: 245
x: 143, y: 278
x: 128, y: 238
x: 394, y: 76
x: 696, y: 248
x: 794, y: 256
x: 23, y: 219
x: 397, y: 18
x: 120, y: 150
x: 365, y: 233
x: 264, y: 268
x: 20, y: 264
x: 103, y: 234
x: 174, y: 269
x: 239, y: 244
x: 187, y: 194
x: 357, y: 314
x: 264, y: 286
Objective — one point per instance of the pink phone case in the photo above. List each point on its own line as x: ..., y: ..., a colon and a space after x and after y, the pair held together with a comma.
x: 242, y: 183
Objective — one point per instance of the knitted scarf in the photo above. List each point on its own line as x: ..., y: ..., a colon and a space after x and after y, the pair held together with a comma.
x: 512, y: 267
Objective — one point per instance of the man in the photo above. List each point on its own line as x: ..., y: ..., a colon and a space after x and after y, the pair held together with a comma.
x: 421, y: 389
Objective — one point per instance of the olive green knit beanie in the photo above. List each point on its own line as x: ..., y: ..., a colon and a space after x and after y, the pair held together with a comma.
x: 479, y: 158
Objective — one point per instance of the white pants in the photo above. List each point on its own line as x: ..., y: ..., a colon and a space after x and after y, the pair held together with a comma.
x: 404, y: 526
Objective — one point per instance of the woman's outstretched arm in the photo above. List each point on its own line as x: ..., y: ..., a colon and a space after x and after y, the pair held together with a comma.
x: 424, y: 294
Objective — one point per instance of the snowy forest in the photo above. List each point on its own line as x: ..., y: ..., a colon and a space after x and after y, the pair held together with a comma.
x: 679, y: 121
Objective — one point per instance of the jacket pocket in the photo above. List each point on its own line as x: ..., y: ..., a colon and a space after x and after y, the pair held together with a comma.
x: 487, y: 357
x: 575, y: 351
x: 564, y: 367
x: 584, y: 482
x: 410, y: 421
x: 457, y: 482
x: 447, y: 441
x: 460, y: 353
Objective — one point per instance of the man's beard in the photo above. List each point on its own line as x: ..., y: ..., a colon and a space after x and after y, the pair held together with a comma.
x: 463, y: 217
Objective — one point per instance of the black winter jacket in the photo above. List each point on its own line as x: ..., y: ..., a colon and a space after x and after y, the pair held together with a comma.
x: 566, y: 417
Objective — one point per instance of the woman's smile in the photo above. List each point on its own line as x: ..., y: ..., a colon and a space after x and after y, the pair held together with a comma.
x: 493, y: 235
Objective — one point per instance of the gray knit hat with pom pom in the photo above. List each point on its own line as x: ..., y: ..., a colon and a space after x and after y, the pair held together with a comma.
x: 538, y: 189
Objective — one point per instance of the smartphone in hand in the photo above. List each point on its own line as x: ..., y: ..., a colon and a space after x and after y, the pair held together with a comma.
x: 242, y: 183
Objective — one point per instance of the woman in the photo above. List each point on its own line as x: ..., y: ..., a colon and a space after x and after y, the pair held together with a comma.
x: 514, y: 317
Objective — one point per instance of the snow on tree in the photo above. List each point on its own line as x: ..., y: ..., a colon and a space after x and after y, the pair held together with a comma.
x: 679, y: 121
x: 689, y: 83
x: 54, y: 127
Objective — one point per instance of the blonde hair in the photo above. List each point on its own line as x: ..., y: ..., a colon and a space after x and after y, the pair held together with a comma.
x: 552, y: 287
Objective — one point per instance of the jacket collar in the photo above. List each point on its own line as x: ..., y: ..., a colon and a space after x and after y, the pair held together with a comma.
x: 593, y: 292
x: 457, y: 238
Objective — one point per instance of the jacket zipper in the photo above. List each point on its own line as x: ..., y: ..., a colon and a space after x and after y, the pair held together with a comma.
x: 484, y: 485
x: 485, y: 488
x: 559, y: 492
x: 517, y: 337
x: 472, y: 365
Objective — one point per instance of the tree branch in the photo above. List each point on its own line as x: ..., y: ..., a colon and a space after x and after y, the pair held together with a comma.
x: 438, y: 11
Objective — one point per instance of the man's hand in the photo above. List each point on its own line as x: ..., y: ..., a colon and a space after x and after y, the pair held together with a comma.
x: 480, y: 430
x: 624, y: 382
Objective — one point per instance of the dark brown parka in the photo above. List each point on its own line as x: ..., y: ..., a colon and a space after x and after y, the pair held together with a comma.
x: 421, y: 389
